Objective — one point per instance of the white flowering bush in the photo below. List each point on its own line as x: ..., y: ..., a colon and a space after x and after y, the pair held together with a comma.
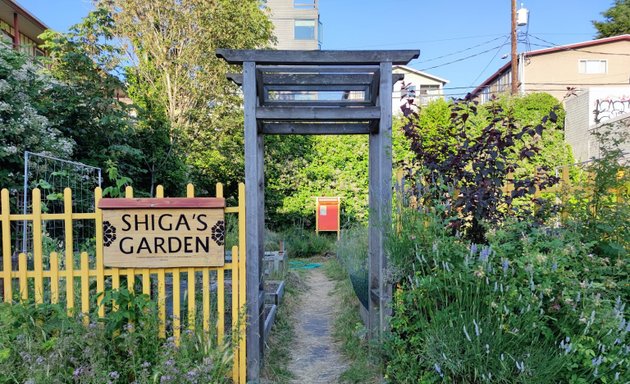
x: 24, y: 127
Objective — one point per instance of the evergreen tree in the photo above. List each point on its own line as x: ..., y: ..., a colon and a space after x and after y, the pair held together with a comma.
x: 616, y: 20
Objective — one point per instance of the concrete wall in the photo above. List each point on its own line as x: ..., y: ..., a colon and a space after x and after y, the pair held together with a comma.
x: 576, y: 127
x: 590, y: 111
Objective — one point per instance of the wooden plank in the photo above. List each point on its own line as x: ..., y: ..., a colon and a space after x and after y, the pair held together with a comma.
x: 397, y: 57
x: 22, y: 275
x: 54, y: 278
x: 205, y: 293
x: 177, y: 312
x: 236, y: 78
x: 160, y: 203
x: 260, y: 89
x: 37, y: 245
x: 317, y: 113
x: 220, y: 305
x: 85, y: 288
x: 318, y: 103
x: 302, y: 79
x: 69, y: 278
x: 260, y: 190
x: 252, y: 185
x: 380, y: 206
x: 100, y: 267
x: 242, y: 288
x: 319, y: 69
x: 161, y: 279
x: 315, y: 129
x: 375, y: 87
x: 192, y: 308
x: 318, y: 87
x: 6, y: 246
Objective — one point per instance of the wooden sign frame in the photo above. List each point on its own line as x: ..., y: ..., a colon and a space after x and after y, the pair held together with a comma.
x: 163, y: 232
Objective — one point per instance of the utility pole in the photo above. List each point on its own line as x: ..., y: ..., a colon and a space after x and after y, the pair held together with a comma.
x: 514, y: 49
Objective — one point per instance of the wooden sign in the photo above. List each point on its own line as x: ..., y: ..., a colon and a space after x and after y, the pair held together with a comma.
x: 163, y: 233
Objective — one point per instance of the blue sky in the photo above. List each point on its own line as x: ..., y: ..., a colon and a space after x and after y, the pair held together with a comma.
x: 437, y: 27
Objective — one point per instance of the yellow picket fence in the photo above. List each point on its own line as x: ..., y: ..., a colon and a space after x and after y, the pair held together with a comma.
x: 40, y: 284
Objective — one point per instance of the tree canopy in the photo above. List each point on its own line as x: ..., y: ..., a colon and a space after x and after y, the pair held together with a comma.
x: 616, y: 20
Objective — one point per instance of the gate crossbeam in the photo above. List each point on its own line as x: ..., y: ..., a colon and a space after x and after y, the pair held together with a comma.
x: 316, y: 93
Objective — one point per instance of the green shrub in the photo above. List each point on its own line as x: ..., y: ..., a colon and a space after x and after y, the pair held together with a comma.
x: 304, y: 243
x: 531, y: 306
x: 41, y: 344
x: 352, y: 252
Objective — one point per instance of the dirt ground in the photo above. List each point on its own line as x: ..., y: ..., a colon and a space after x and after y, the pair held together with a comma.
x: 315, y: 358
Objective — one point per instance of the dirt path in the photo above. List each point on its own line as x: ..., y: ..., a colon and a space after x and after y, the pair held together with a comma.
x: 315, y: 358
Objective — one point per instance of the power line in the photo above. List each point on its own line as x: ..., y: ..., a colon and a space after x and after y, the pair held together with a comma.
x: 421, y: 41
x: 460, y: 51
x: 491, y: 60
x: 463, y: 58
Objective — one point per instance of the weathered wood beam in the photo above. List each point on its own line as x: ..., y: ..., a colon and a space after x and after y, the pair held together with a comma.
x: 236, y: 78
x: 380, y: 198
x: 237, y: 56
x: 319, y: 69
x: 317, y: 79
x: 316, y: 128
x: 317, y: 113
x: 253, y: 186
x: 317, y: 103
x: 320, y: 87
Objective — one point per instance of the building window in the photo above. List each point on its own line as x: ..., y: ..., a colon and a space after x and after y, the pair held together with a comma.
x: 304, y: 30
x: 304, y: 4
x: 592, y: 66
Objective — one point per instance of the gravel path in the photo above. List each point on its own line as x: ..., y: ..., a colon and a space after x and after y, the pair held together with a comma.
x: 315, y: 358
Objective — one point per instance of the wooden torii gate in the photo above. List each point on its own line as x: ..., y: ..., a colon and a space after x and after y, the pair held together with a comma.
x: 316, y: 93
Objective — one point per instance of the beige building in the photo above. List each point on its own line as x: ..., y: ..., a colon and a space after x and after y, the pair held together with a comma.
x: 296, y: 24
x: 602, y: 62
x: 20, y: 29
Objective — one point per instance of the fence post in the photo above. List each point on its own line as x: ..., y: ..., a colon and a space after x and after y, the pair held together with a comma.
x: 37, y: 245
x: 22, y: 273
x: 100, y: 268
x: 69, y: 247
x: 161, y: 282
x: 54, y: 278
x: 7, y: 268
x: 85, y: 288
x: 235, y: 312
x: 242, y: 260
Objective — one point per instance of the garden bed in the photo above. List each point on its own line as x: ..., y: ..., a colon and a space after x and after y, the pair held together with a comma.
x: 274, y: 291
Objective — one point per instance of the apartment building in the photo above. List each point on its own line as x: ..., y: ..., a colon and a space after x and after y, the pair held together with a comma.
x: 20, y: 29
x: 296, y: 23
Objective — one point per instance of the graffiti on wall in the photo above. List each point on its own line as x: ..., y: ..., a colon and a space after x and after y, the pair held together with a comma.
x: 609, y: 108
